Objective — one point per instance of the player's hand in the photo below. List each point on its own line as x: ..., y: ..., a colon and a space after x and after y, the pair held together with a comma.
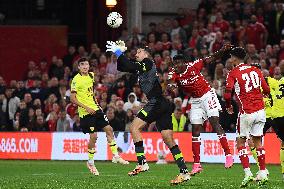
x: 227, y: 46
x: 230, y: 110
x: 121, y: 45
x: 111, y: 46
x: 90, y: 110
x: 171, y: 86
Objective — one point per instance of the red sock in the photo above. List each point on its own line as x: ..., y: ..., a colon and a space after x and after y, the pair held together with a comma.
x: 196, y: 149
x: 224, y: 144
x: 243, y: 155
x: 261, y: 158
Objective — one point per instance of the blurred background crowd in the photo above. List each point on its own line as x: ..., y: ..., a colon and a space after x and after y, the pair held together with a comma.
x: 40, y: 102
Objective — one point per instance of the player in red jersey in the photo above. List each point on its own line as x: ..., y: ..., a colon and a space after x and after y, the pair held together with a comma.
x: 204, y: 102
x: 247, y: 81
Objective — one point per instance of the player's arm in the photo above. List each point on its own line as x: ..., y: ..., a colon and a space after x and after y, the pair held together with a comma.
x: 172, y: 86
x: 264, y: 86
x: 230, y: 82
x: 272, y: 90
x: 217, y: 55
x: 126, y: 65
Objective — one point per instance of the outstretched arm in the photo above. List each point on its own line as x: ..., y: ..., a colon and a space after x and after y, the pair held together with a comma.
x: 126, y: 65
x: 217, y: 55
x: 228, y: 92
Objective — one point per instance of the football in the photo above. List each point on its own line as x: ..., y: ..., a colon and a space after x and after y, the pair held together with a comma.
x: 114, y: 19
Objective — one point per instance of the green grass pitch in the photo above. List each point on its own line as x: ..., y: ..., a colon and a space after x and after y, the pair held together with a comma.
x: 74, y: 174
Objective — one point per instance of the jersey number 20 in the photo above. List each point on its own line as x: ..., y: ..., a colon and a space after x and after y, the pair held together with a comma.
x: 252, y: 80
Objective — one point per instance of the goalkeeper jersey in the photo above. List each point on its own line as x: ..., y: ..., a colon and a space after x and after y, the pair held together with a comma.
x: 278, y: 101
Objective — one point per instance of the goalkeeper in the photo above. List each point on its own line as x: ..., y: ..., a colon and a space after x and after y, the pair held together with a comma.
x: 157, y: 109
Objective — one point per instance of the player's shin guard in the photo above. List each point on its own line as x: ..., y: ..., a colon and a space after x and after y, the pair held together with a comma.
x: 139, y: 149
x: 179, y: 159
x: 224, y: 144
x: 113, y: 148
x: 91, y: 153
x: 254, y: 154
x: 196, y: 142
x: 261, y: 158
x: 243, y: 155
x: 282, y: 158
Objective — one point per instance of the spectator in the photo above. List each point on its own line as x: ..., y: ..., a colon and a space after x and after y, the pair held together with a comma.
x: 40, y: 124
x: 76, y: 124
x: 63, y: 124
x: 111, y: 67
x: 113, y: 121
x: 120, y: 114
x: 165, y: 41
x: 52, y: 121
x: 220, y: 24
x: 3, y: 122
x: 2, y: 85
x: 31, y: 120
x: 43, y: 66
x: 20, y: 89
x: 36, y: 90
x: 256, y: 33
x: 68, y: 59
x: 178, y: 33
x: 120, y: 90
x: 28, y: 100
x: 13, y: 105
x: 281, y: 51
x: 124, y: 35
x: 178, y: 102
x: 130, y: 117
x: 179, y: 121
x: 132, y: 102
x: 23, y: 111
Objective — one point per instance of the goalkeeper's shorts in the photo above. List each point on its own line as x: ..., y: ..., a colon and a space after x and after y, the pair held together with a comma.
x: 159, y: 110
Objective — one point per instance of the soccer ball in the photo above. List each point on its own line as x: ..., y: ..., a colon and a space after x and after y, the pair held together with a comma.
x: 114, y: 19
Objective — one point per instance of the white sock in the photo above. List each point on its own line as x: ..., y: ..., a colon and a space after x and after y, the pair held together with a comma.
x: 247, y: 172
x: 91, y: 161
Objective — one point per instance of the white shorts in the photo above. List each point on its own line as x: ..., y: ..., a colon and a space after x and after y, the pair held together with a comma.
x: 204, y: 107
x: 251, y: 124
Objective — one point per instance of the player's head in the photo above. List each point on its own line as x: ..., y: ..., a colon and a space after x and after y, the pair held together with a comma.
x: 143, y: 53
x: 179, y: 63
x: 238, y: 55
x: 83, y: 65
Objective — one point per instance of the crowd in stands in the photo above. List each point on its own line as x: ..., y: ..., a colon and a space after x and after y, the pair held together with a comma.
x: 41, y: 101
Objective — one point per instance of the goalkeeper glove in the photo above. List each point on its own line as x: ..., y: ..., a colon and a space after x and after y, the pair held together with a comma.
x: 113, y: 47
x: 121, y: 45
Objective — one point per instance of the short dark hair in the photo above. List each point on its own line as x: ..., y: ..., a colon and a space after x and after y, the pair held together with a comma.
x: 179, y: 57
x: 238, y: 52
x: 84, y: 59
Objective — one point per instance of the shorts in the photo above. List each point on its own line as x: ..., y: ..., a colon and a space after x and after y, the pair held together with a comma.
x: 92, y: 123
x: 159, y: 110
x: 251, y: 124
x: 278, y: 126
x: 204, y: 107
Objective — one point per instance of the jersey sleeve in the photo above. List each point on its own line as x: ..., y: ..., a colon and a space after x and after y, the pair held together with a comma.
x: 172, y: 75
x: 126, y: 65
x: 74, y: 85
x: 198, y: 64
